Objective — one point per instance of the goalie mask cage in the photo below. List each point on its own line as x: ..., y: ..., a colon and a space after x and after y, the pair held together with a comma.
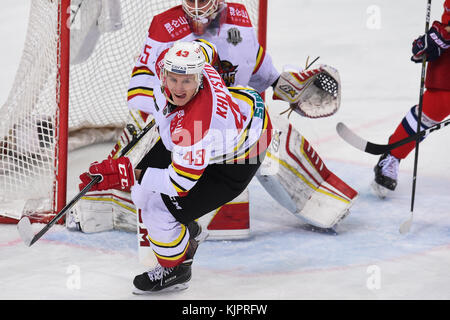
x: 72, y: 78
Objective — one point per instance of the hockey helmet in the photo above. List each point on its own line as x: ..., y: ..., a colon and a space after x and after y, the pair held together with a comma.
x: 184, y: 58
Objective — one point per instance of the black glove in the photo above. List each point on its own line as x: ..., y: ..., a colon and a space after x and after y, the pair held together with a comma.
x: 431, y: 44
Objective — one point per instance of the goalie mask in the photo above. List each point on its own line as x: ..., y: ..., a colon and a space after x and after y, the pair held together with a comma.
x: 204, y: 14
x: 181, y: 75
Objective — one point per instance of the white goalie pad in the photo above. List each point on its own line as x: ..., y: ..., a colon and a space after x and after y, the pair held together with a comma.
x: 230, y: 221
x: 106, y: 210
x: 295, y: 175
x: 314, y: 93
x: 89, y: 19
x: 136, y: 122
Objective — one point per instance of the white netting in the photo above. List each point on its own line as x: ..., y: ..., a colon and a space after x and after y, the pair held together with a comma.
x: 26, y: 148
x: 106, y: 38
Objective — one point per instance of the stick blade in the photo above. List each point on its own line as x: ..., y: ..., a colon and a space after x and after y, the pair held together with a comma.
x: 406, y: 226
x: 25, y: 231
x: 350, y: 137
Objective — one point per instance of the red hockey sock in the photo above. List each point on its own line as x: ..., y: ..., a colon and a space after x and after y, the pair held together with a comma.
x: 436, y: 107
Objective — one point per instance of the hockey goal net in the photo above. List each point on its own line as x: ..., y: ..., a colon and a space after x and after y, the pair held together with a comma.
x: 55, y: 100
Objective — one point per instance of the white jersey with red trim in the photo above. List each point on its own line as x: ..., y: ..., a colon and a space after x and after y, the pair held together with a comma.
x: 217, y: 125
x: 243, y: 61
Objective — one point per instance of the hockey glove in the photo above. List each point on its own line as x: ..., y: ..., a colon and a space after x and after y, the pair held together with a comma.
x: 314, y: 93
x: 432, y: 44
x: 115, y: 173
x: 291, y: 83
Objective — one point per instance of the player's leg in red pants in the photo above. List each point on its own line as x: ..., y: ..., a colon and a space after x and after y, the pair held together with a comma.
x: 435, y: 108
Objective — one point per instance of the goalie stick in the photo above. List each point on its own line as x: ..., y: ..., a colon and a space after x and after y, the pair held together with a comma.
x: 24, y: 225
x: 360, y: 143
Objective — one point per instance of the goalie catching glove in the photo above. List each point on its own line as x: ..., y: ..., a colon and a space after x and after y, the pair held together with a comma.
x: 115, y: 173
x: 314, y: 93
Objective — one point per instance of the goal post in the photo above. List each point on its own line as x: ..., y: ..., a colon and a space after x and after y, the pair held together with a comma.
x: 72, y: 80
x: 34, y: 126
x: 62, y: 116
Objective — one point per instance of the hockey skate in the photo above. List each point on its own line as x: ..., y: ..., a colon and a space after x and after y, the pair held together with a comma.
x: 386, y: 172
x: 162, y: 279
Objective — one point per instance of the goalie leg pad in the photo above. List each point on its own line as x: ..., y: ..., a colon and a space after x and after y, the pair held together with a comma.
x: 295, y: 175
x: 94, y: 215
x: 136, y: 122
x: 145, y: 252
x: 106, y: 210
x: 114, y: 209
x: 230, y: 221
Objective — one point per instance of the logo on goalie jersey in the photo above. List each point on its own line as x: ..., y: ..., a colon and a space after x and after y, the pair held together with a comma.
x: 234, y: 36
x: 228, y: 73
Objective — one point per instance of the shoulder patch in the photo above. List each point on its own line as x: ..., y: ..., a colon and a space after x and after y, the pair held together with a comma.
x: 171, y: 25
x: 238, y: 15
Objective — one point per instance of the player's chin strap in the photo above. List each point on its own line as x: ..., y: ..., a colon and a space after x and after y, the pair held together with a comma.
x: 313, y: 93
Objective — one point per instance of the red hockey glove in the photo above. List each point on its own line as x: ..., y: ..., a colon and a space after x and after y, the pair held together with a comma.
x: 116, y: 174
x: 432, y: 44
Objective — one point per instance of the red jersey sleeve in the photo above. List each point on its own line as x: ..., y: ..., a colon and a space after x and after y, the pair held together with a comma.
x: 446, y: 14
x: 438, y: 71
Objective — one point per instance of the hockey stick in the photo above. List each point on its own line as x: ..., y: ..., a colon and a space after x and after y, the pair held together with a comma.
x: 24, y: 225
x: 360, y: 143
x: 405, y: 226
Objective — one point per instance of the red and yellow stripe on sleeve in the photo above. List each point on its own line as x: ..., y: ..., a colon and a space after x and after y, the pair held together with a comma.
x: 259, y: 59
x: 208, y: 51
x: 138, y: 83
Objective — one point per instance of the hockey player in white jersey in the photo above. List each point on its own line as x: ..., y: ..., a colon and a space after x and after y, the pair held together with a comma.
x: 293, y: 172
x: 213, y: 140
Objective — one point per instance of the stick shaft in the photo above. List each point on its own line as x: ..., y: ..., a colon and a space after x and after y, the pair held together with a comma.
x: 64, y: 210
x: 419, y: 113
x: 404, y: 228
x: 94, y: 180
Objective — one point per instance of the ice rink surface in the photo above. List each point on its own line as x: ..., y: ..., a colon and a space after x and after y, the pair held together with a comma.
x: 369, y: 42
